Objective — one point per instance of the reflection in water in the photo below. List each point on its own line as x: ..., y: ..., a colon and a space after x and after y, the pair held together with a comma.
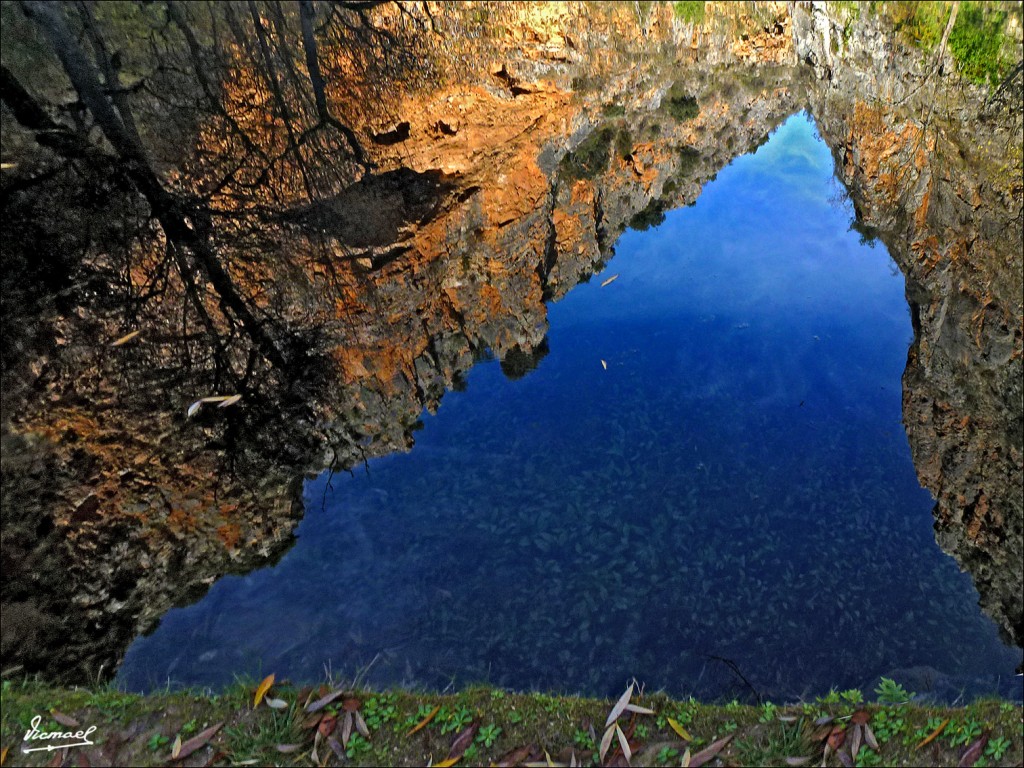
x: 709, y: 464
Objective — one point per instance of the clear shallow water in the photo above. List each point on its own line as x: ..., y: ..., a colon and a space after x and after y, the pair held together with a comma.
x: 736, y: 484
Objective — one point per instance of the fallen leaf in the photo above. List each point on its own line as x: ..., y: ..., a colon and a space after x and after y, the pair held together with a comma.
x: 933, y: 735
x: 517, y: 756
x: 288, y: 749
x: 230, y: 401
x: 7, y: 167
x: 327, y: 725
x: 860, y: 717
x: 448, y: 762
x: 824, y: 720
x: 639, y: 710
x: 176, y: 747
x: 193, y: 409
x: 336, y: 748
x: 261, y: 689
x: 855, y: 739
x: 706, y: 755
x: 126, y: 338
x: 836, y: 737
x: 604, y: 365
x: 198, y: 741
x: 351, y: 705
x: 323, y: 701
x: 81, y: 760
x: 425, y: 721
x: 845, y: 759
x: 685, y: 762
x: 869, y: 737
x: 606, y: 742
x: 58, y: 758
x: 678, y: 728
x: 65, y: 720
x: 3, y: 755
x: 623, y: 743
x: 346, y: 728
x: 463, y: 740
x: 276, y: 703
x: 787, y: 718
x: 361, y: 725
x: 620, y: 705
x: 611, y: 279
x: 797, y: 760
x: 973, y: 752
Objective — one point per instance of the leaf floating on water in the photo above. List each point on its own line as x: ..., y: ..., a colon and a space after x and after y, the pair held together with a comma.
x: 176, y: 747
x: 126, y: 338
x: 933, y: 735
x: 678, y: 728
x: 66, y: 720
x: 263, y: 687
x: 198, y: 741
x: 620, y: 705
x: 276, y: 703
x: 611, y: 279
x: 604, y: 365
x: 425, y: 721
x: 323, y: 701
x: 970, y: 757
x: 705, y: 755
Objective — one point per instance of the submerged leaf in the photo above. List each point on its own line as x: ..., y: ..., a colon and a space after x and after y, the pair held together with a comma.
x: 126, y: 338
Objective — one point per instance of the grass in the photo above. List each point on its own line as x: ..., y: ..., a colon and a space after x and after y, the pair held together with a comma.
x: 690, y: 11
x: 140, y: 730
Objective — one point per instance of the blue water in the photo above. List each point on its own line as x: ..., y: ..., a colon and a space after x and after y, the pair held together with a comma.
x: 732, y: 482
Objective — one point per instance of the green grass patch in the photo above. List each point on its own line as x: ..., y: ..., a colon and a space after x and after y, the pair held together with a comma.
x: 690, y: 11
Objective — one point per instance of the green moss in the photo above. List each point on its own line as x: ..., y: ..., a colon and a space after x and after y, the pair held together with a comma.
x: 976, y: 42
x: 680, y: 104
x: 613, y: 110
x: 690, y: 11
x: 141, y: 729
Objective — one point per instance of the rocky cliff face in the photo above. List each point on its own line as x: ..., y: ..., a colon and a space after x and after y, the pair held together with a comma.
x: 935, y: 172
x: 502, y: 182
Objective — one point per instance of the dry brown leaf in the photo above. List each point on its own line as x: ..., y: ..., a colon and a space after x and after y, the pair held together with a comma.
x: 176, y: 747
x: 681, y: 732
x: 933, y: 735
x: 198, y: 741
x: 606, y: 742
x: 66, y: 720
x: 869, y: 737
x: 970, y: 757
x: 425, y: 721
x: 361, y: 725
x: 623, y: 743
x: 705, y: 755
x: 126, y: 338
x: 323, y: 701
x: 620, y: 706
x: 463, y: 740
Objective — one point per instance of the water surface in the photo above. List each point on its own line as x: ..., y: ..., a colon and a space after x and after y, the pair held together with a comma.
x: 707, y: 473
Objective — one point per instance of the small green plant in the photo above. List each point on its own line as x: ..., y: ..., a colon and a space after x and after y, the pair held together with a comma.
x: 581, y: 739
x: 963, y: 733
x: 887, y: 723
x: 157, y: 742
x: 413, y: 720
x: 997, y: 747
x: 190, y: 727
x: 923, y: 732
x: 357, y: 747
x: 667, y: 755
x: 455, y: 719
x: 867, y: 758
x: 497, y: 694
x: 515, y: 717
x: 852, y: 696
x: 891, y: 692
x: 832, y: 697
x: 729, y: 726
x: 488, y: 734
x: 641, y: 731
x: 769, y: 712
x: 379, y: 710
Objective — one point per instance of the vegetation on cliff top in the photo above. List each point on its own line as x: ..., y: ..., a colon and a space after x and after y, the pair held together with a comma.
x: 279, y: 724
